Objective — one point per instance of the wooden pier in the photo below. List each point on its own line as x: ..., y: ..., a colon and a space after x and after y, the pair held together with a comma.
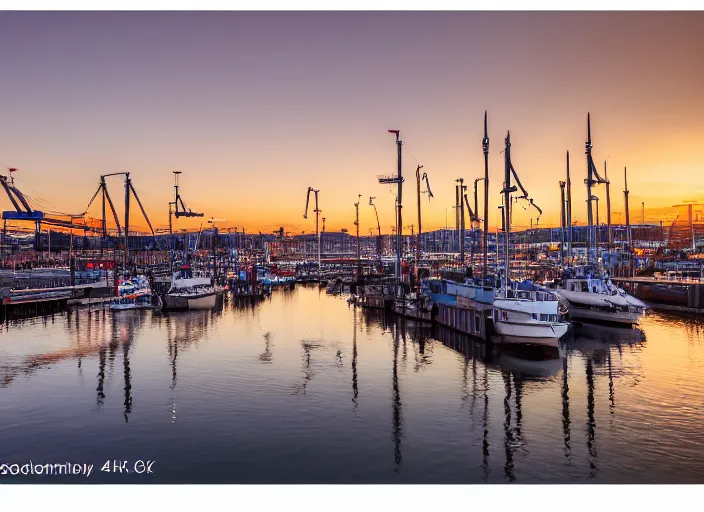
x: 468, y: 317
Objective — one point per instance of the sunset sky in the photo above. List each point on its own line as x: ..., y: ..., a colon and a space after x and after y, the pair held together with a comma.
x: 256, y: 107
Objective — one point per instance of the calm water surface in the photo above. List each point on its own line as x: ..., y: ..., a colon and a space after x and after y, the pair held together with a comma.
x: 302, y: 388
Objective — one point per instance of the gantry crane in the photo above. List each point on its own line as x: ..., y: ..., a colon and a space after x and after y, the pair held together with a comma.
x: 317, y: 216
x: 128, y: 188
x: 23, y: 211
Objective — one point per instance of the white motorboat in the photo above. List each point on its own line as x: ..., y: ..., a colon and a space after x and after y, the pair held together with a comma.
x: 600, y: 300
x: 189, y: 292
x: 529, y: 316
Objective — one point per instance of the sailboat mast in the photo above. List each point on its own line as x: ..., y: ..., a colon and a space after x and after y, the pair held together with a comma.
x: 485, y: 148
x: 569, y: 211
x: 507, y: 204
x: 608, y: 208
x: 589, y: 182
x: 628, y: 218
x: 419, y: 221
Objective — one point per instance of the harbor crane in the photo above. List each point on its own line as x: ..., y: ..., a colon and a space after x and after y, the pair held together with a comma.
x: 129, y: 188
x: 317, y: 212
x: 24, y: 211
x: 178, y: 201
x: 378, y: 227
x: 419, y: 179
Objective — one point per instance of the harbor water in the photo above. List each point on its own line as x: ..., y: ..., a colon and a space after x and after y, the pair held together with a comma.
x: 304, y: 388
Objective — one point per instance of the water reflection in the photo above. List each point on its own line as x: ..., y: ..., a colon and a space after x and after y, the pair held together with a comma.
x: 565, y: 392
x: 500, y: 414
x: 396, y: 417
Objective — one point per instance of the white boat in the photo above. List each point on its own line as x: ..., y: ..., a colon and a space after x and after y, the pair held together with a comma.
x: 600, y: 300
x: 188, y: 292
x: 133, y: 294
x: 529, y: 317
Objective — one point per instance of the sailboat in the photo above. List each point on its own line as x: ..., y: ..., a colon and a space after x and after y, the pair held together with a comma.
x: 524, y: 314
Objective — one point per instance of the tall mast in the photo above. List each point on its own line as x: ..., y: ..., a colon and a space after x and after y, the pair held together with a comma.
x: 399, y: 205
x: 461, y: 189
x: 507, y: 205
x: 485, y: 148
x: 458, y: 205
x: 569, y: 211
x: 608, y: 208
x: 628, y: 218
x: 356, y: 223
x: 563, y: 220
x: 127, y: 219
x: 589, y: 182
x: 419, y: 222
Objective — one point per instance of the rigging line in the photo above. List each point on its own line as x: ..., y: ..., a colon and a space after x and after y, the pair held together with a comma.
x: 33, y: 190
x: 411, y: 153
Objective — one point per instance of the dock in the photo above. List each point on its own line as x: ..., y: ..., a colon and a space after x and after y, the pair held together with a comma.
x: 683, y: 296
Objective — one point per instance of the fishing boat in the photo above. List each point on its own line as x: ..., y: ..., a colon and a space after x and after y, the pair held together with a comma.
x: 189, y: 292
x: 533, y: 314
x: 139, y: 300
x: 598, y: 299
x: 133, y: 293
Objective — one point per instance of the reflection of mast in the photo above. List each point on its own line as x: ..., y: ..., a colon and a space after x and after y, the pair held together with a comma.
x: 485, y: 441
x: 566, y: 410
x: 173, y: 354
x: 128, y: 379
x: 518, y: 385
x: 355, y: 391
x: 591, y: 423
x: 611, y: 386
x: 397, y: 432
x: 508, y: 435
x: 101, y: 376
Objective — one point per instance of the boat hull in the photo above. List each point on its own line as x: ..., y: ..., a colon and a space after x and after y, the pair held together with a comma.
x: 201, y: 301
x: 532, y: 331
x: 625, y: 318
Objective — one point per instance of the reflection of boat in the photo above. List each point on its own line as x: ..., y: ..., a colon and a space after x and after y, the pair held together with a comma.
x: 531, y: 363
x: 529, y: 314
x: 605, y: 334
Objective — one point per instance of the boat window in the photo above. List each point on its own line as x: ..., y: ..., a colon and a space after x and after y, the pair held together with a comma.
x: 477, y: 323
x: 585, y: 286
x: 534, y: 316
x: 543, y: 317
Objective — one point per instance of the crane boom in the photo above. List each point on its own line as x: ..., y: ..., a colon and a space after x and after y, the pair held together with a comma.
x: 305, y: 214
x: 427, y: 184
x: 472, y: 215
